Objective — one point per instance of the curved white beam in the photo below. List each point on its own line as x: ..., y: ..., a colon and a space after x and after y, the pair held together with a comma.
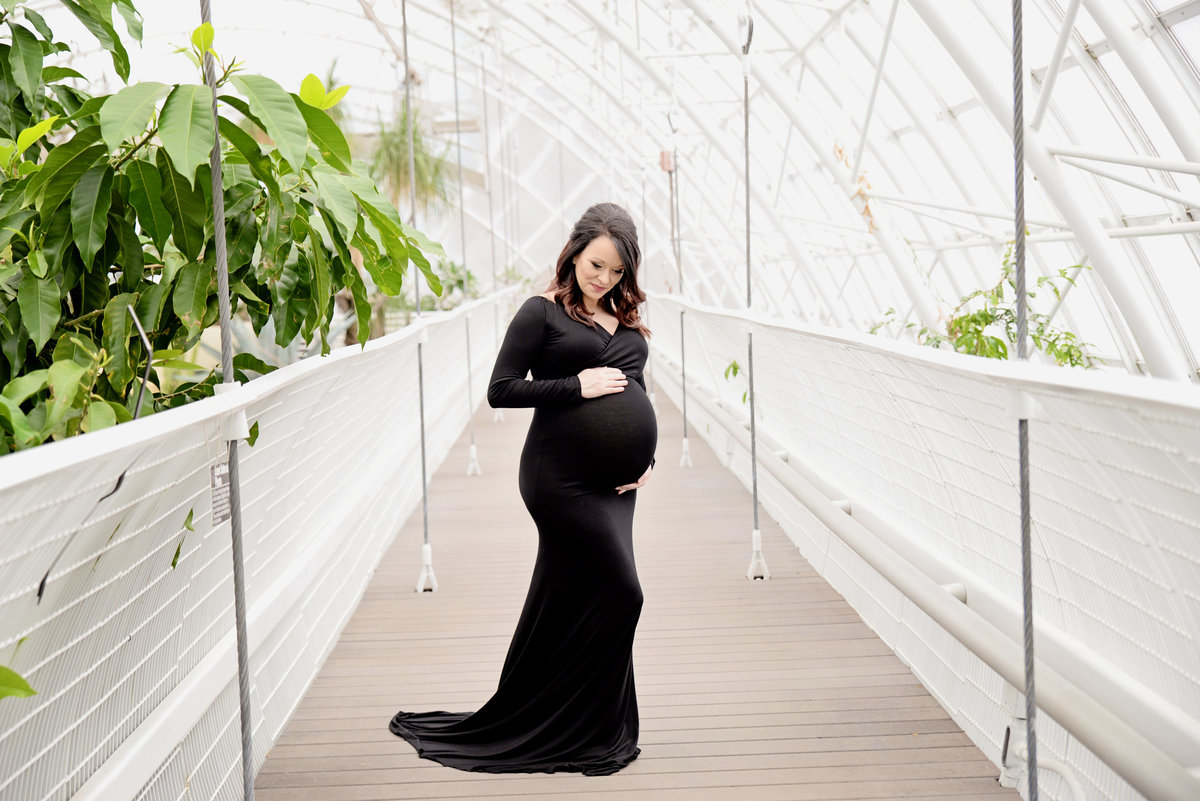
x: 1161, y: 358
x: 900, y: 257
x: 701, y: 121
x: 1182, y: 130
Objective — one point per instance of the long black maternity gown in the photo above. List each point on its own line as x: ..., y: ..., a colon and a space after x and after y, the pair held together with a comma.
x: 566, y: 700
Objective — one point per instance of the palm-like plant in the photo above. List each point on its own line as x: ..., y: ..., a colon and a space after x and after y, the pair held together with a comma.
x: 390, y: 164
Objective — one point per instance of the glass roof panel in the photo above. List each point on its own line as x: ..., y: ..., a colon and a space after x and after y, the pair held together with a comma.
x: 582, y: 97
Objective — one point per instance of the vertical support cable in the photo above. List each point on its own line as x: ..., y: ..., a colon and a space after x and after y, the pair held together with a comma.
x: 685, y: 455
x: 473, y: 461
x: 646, y: 283
x: 487, y: 165
x: 426, y: 581
x: 227, y: 379
x: 758, y: 564
x: 1023, y: 421
x: 487, y: 158
x: 510, y: 257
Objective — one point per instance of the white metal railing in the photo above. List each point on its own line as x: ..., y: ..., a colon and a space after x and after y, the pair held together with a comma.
x: 893, y: 469
x: 133, y: 660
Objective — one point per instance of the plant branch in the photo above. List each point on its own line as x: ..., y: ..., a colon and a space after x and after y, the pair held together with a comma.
x: 128, y: 154
x: 85, y: 317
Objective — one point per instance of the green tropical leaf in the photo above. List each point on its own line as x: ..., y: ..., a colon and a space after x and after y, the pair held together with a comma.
x: 133, y: 19
x: 21, y: 387
x: 190, y: 299
x: 325, y: 134
x: 39, y: 22
x: 335, y: 97
x: 150, y: 304
x: 242, y: 142
x: 186, y: 128
x: 123, y: 414
x: 12, y: 224
x: 145, y: 194
x: 388, y: 273
x: 431, y: 278
x: 52, y: 184
x: 178, y: 550
x: 128, y: 112
x: 185, y: 206
x: 52, y: 74
x: 117, y: 329
x: 14, y: 420
x: 248, y: 361
x: 132, y: 254
x: 40, y: 309
x: 243, y: 108
x: 89, y: 210
x: 248, y: 148
x: 38, y: 264
x: 56, y: 239
x: 12, y: 684
x: 25, y: 60
x: 362, y: 306
x: 30, y: 135
x: 427, y: 245
x: 65, y: 379
x: 322, y: 289
x: 368, y: 194
x: 179, y: 364
x: 99, y: 415
x: 253, y: 438
x: 336, y: 198
x: 284, y: 122
x: 89, y: 108
x: 105, y: 33
x: 75, y: 347
x: 202, y: 37
x: 312, y: 91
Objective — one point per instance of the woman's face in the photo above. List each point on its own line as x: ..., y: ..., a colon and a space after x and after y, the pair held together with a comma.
x: 598, y: 268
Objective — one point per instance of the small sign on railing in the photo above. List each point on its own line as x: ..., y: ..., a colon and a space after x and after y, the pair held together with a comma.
x: 220, y: 493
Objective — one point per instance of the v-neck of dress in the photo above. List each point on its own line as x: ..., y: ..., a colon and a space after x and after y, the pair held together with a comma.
x: 598, y: 326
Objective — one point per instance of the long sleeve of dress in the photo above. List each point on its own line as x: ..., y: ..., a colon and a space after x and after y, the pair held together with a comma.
x: 522, y: 343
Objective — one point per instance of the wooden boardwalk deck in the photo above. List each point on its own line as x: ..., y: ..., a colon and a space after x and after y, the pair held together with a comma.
x: 749, y: 691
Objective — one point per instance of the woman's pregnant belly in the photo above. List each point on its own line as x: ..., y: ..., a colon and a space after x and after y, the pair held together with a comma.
x: 601, y: 442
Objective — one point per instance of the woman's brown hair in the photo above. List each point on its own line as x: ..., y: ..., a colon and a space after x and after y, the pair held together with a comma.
x: 602, y: 219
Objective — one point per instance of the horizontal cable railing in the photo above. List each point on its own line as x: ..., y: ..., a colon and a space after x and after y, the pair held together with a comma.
x: 896, y: 462
x: 132, y: 652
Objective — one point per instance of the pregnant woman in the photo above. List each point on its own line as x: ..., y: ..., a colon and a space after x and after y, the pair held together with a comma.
x: 566, y: 700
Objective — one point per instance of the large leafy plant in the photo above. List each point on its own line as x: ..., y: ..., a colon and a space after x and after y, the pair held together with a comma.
x: 984, y: 323
x: 106, y: 207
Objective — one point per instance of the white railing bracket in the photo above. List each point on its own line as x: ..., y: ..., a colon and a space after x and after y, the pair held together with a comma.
x: 758, y: 565
x: 427, y: 581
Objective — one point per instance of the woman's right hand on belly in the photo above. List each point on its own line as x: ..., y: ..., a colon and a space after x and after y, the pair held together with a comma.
x: 597, y: 381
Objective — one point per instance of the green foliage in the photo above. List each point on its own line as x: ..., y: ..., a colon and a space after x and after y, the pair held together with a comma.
x: 11, y: 683
x: 106, y: 207
x: 732, y: 370
x: 390, y: 164
x: 984, y: 323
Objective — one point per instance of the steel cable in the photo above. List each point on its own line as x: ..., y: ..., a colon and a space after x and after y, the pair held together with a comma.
x: 235, y: 495
x: 1023, y: 422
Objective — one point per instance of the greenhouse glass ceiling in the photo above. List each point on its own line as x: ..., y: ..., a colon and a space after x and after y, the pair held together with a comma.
x: 880, y: 169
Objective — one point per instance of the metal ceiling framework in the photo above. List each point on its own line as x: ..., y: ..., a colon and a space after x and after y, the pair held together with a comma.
x: 909, y: 90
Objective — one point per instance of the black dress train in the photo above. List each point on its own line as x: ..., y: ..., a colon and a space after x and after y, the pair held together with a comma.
x: 565, y: 700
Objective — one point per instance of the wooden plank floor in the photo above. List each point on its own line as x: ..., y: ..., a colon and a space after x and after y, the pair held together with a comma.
x: 751, y: 691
